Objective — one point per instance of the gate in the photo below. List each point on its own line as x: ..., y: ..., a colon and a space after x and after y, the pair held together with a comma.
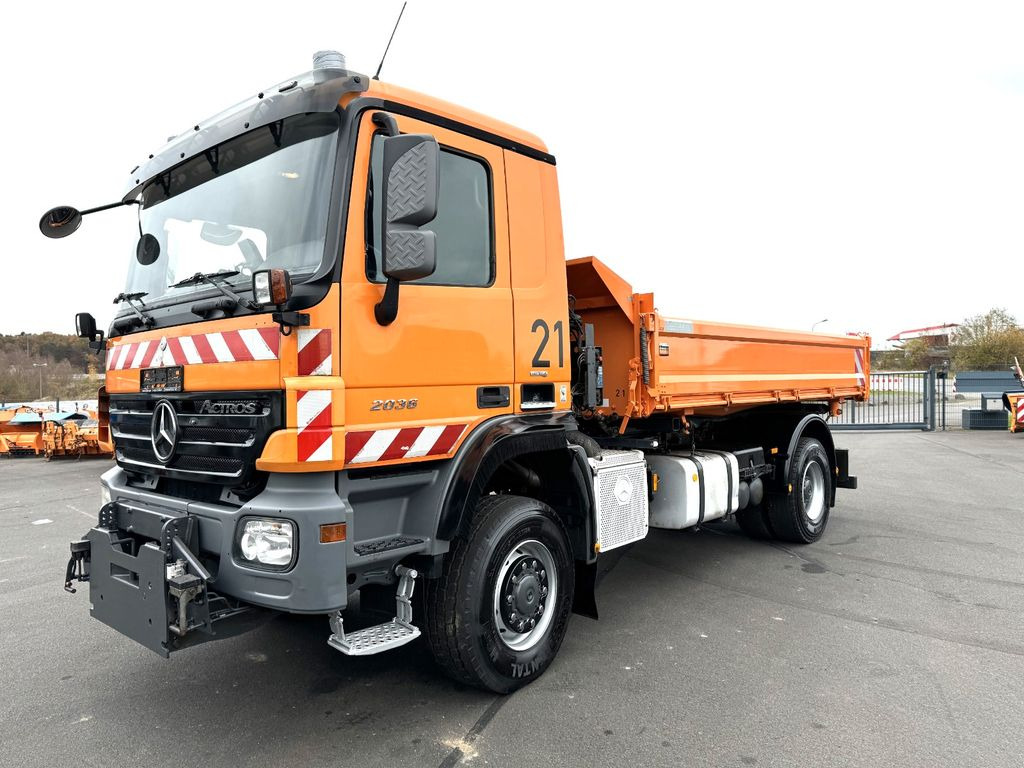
x: 898, y: 400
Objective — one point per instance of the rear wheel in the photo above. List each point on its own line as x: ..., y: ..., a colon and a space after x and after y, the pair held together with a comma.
x: 497, y: 615
x: 801, y: 515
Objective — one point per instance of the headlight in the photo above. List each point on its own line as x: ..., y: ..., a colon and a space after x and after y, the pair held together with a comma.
x: 267, y: 542
x: 104, y: 494
x: 271, y: 286
x: 261, y: 287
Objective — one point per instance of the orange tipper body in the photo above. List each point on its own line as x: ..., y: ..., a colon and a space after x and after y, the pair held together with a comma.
x: 655, y: 362
x: 351, y: 357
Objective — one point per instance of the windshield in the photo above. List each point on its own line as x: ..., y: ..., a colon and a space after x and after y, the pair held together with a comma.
x: 257, y: 201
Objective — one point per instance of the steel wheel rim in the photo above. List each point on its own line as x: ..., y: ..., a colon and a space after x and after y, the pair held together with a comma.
x: 531, y: 565
x: 813, y: 491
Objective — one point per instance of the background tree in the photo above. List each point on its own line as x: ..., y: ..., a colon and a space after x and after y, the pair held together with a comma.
x: 64, y: 365
x: 987, y: 342
x: 914, y: 355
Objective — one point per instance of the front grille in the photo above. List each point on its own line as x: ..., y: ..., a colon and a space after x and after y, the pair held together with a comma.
x: 231, y: 435
x: 208, y: 465
x: 213, y: 447
x: 218, y: 435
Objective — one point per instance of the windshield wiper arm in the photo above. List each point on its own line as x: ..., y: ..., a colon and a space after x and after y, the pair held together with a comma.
x: 211, y: 278
x: 129, y: 299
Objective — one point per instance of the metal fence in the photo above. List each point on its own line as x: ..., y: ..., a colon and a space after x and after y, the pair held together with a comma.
x: 920, y: 400
x: 899, y: 400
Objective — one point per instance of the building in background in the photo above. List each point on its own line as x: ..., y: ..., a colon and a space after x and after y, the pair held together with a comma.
x: 927, y: 346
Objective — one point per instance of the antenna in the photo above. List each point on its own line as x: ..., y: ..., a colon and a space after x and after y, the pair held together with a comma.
x: 377, y: 75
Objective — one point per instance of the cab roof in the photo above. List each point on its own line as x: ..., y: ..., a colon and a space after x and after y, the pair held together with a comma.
x: 453, y: 112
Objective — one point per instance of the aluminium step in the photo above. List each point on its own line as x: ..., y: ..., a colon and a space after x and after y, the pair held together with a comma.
x: 377, y: 639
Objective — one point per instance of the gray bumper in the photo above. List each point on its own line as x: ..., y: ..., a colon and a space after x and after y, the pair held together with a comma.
x: 316, y: 583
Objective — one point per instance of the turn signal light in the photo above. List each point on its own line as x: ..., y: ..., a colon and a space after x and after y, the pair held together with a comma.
x: 332, y: 532
x: 271, y: 286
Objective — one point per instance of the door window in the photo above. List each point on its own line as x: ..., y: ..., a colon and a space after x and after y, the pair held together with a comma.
x: 465, y: 253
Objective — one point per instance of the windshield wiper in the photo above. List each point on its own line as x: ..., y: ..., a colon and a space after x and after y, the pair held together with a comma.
x: 211, y: 278
x: 129, y: 299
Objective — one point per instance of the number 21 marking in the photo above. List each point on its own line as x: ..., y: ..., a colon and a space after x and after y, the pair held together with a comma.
x: 542, y: 326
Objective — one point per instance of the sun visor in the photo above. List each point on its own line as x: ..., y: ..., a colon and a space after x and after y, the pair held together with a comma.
x: 316, y: 91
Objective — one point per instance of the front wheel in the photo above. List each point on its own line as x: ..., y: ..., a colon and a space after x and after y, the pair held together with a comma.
x: 497, y: 615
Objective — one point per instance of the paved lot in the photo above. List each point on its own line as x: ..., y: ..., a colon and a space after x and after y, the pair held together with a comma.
x: 896, y: 640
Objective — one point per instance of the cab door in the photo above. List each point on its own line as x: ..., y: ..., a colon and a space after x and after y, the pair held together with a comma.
x: 415, y: 388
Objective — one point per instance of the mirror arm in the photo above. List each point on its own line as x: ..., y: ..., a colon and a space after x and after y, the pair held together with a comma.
x: 98, y: 343
x: 386, y: 310
x: 108, y: 206
x: 387, y: 122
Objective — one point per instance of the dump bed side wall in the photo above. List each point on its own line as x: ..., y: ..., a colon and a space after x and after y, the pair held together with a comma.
x: 703, y: 364
x: 697, y: 366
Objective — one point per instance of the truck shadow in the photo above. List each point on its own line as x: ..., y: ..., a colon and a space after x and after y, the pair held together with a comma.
x: 283, y: 678
x: 280, y: 679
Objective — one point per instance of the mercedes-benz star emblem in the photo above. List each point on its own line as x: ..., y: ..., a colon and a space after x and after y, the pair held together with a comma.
x: 164, y: 431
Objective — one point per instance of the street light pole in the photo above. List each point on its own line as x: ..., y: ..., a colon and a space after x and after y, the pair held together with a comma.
x: 815, y: 325
x: 40, y: 365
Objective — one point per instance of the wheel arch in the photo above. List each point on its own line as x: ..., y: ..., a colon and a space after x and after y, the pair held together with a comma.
x: 814, y: 426
x: 536, y: 445
x: 562, y: 479
x: 778, y: 429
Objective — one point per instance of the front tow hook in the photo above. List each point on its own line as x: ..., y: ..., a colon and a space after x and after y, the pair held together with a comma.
x: 78, y: 565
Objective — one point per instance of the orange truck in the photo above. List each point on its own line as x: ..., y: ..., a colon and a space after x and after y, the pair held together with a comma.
x: 351, y: 355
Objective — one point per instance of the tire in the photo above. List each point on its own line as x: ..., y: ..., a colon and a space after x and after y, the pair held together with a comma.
x: 518, y: 548
x: 801, y: 515
x: 753, y: 523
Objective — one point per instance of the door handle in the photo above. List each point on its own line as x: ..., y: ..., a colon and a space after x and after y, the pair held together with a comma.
x: 492, y: 397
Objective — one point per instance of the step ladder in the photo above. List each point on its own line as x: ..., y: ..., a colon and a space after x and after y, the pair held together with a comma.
x: 382, y: 637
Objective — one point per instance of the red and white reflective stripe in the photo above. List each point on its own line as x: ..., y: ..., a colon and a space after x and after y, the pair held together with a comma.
x: 313, y: 416
x: 408, y: 443
x: 1020, y: 411
x: 858, y: 361
x: 314, y: 352
x: 246, y: 345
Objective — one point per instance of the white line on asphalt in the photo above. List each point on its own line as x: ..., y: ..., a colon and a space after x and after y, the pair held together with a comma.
x: 79, y: 511
x: 43, y: 521
x: 12, y: 559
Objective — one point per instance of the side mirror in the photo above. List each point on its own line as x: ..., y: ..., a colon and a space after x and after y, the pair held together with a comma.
x: 60, y: 221
x: 85, y: 326
x: 410, y: 190
x: 147, y: 250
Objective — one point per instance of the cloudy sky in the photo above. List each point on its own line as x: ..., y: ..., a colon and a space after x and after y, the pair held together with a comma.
x: 767, y: 162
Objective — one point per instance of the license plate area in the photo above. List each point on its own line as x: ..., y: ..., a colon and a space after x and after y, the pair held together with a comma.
x: 170, y: 379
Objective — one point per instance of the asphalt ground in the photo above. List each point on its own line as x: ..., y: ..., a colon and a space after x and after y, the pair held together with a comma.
x: 896, y: 640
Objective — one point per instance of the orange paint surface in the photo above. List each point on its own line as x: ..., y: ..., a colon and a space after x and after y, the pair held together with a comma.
x: 697, y: 366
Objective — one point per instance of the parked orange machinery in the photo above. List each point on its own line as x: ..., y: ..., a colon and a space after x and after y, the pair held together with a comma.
x: 74, y: 438
x: 20, y: 432
x: 351, y: 355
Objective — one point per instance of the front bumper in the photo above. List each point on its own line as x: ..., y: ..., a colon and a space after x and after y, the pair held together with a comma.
x: 163, y: 571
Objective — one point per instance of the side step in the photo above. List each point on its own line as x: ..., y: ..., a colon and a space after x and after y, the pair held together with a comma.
x: 382, y: 637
